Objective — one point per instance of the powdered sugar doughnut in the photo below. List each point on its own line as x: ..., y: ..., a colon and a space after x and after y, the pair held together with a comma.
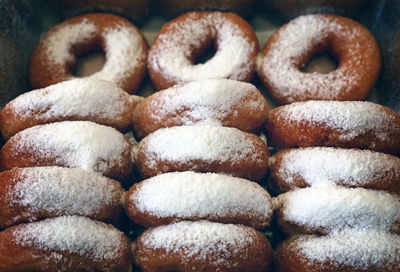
x: 205, y: 148
x: 202, y: 246
x: 212, y: 101
x: 124, y: 46
x: 172, y: 197
x: 352, y: 124
x: 304, y: 167
x: 181, y: 41
x: 291, y: 47
x: 97, y: 100
x: 352, y: 250
x: 33, y: 193
x: 68, y: 243
x: 326, y: 208
x: 73, y: 144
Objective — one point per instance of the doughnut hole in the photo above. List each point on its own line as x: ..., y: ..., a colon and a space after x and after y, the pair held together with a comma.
x: 89, y: 63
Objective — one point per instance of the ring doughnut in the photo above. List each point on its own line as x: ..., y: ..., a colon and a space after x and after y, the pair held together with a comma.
x: 304, y: 167
x: 68, y: 243
x: 173, y: 197
x: 183, y: 40
x: 34, y: 193
x: 78, y: 99
x: 212, y: 101
x: 327, y: 208
x: 350, y: 251
x: 72, y: 144
x: 202, y: 246
x: 202, y: 148
x: 349, y: 124
x: 124, y: 46
x: 291, y: 47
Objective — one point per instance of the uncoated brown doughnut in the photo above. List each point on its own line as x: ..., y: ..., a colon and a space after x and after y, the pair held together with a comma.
x: 291, y: 47
x: 124, y: 45
x: 181, y: 41
x: 349, y: 124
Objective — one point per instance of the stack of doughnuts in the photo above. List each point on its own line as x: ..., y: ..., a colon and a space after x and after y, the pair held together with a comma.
x: 339, y: 187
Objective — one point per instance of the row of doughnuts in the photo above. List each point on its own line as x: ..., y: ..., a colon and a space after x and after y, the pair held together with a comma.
x: 337, y: 194
x: 175, y: 55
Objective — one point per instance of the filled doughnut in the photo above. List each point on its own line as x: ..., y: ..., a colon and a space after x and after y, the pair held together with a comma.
x: 202, y: 148
x: 304, y: 167
x: 292, y: 46
x: 98, y: 101
x: 327, y: 208
x: 68, y: 243
x: 352, y: 124
x: 73, y: 144
x: 33, y: 193
x: 202, y: 246
x: 173, y: 8
x: 124, y: 46
x: 212, y: 101
x: 180, y: 42
x: 173, y: 197
x: 349, y: 251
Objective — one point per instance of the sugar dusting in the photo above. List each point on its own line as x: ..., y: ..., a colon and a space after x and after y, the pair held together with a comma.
x: 206, y: 101
x: 73, y: 235
x: 348, y: 166
x: 64, y: 190
x: 201, y: 240
x: 295, y: 40
x: 362, y: 249
x: 76, y: 97
x: 190, y: 194
x: 171, y: 56
x: 337, y: 208
x: 200, y: 142
x: 74, y: 144
x: 352, y: 118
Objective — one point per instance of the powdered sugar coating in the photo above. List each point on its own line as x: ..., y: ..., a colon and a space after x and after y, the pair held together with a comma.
x: 200, y: 142
x: 64, y: 191
x: 73, y: 235
x: 328, y: 208
x: 203, y: 195
x: 291, y: 46
x: 172, y: 50
x: 201, y: 240
x: 350, y: 167
x: 361, y: 248
x: 352, y: 118
x: 74, y: 144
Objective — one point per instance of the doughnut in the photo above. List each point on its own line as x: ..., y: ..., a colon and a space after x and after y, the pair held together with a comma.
x: 349, y: 124
x: 349, y: 251
x: 292, y: 46
x: 135, y: 10
x: 326, y: 208
x: 98, y: 101
x: 202, y: 148
x: 73, y: 144
x: 293, y: 8
x: 173, y: 8
x: 123, y: 44
x: 180, y: 42
x: 304, y: 167
x: 212, y: 101
x: 33, y: 193
x: 67, y: 243
x: 202, y: 246
x: 173, y: 197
